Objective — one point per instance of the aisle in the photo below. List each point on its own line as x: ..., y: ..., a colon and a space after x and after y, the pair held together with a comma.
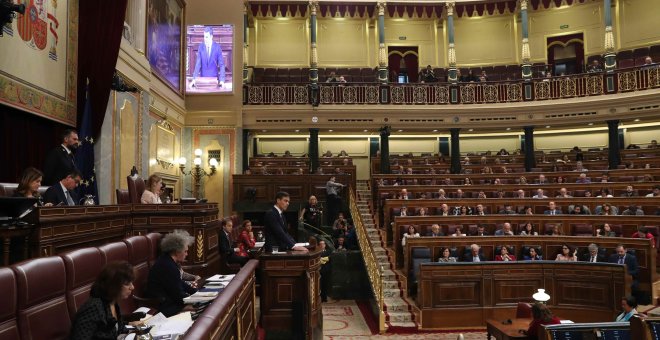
x: 343, y: 320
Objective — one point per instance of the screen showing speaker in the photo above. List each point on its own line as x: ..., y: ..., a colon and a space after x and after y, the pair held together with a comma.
x: 209, y: 64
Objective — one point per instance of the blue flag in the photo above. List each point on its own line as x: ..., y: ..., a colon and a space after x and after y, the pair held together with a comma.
x: 85, y: 154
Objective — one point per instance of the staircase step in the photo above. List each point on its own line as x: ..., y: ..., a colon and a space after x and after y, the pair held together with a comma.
x: 396, y: 305
x: 400, y: 317
x: 391, y: 285
x: 392, y: 293
x: 404, y: 324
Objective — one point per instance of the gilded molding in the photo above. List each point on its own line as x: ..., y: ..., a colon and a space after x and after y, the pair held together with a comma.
x: 523, y: 5
x: 451, y: 55
x: 609, y: 39
x: 525, y: 51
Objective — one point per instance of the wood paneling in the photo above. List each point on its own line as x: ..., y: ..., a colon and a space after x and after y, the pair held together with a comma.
x: 466, y: 294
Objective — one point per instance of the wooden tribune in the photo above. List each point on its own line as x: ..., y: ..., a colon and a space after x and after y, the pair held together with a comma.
x: 290, y: 295
x: 468, y: 294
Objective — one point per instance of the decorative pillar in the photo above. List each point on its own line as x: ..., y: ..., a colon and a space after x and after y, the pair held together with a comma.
x: 382, y: 54
x: 451, y: 53
x: 136, y: 19
x: 610, y: 56
x: 245, y: 43
x: 313, y: 150
x: 455, y: 151
x: 530, y: 160
x: 314, y: 58
x: 526, y: 65
x: 385, y: 150
x: 614, y: 149
x: 246, y: 149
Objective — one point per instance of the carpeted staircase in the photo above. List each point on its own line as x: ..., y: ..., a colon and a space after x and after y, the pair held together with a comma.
x: 397, y: 309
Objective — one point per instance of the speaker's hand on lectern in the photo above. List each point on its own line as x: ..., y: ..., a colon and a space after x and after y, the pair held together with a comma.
x: 300, y: 248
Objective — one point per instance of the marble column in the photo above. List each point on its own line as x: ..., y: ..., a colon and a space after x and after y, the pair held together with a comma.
x: 530, y: 160
x: 245, y: 43
x: 455, y: 151
x: 313, y: 151
x: 385, y: 150
x: 614, y: 149
x: 314, y: 59
x: 610, y: 55
x: 525, y: 55
x: 382, y: 53
x: 451, y: 52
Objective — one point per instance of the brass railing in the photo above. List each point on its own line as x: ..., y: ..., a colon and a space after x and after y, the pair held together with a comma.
x: 506, y: 91
x: 374, y: 270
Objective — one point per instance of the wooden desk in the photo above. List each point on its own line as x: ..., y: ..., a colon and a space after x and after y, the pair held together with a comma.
x: 503, y: 331
x: 290, y: 293
x: 455, y: 295
x: 232, y: 314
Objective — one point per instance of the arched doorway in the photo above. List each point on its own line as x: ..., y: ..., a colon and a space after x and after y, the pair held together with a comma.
x: 566, y: 54
x: 403, y: 63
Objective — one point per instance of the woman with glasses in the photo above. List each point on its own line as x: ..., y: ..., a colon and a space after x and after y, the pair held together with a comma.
x: 567, y: 254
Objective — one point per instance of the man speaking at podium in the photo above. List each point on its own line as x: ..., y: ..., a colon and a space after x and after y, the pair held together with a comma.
x: 209, y: 62
x: 276, y: 227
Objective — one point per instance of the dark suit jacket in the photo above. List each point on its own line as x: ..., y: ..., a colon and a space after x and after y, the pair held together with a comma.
x: 210, y: 65
x: 630, y: 261
x: 439, y: 234
x: 55, y: 195
x: 468, y: 258
x: 587, y: 257
x: 94, y: 320
x: 58, y: 164
x: 165, y: 283
x: 275, y: 232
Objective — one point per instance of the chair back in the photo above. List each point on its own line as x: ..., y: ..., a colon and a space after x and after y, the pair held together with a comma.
x: 136, y: 187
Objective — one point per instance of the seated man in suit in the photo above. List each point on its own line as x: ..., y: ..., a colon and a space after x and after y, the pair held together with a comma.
x: 227, y: 249
x: 63, y: 192
x: 475, y: 255
x: 629, y: 260
x: 593, y: 255
x: 505, y: 231
x: 552, y: 209
x: 435, y: 231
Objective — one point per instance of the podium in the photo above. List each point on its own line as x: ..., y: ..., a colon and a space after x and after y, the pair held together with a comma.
x: 290, y: 294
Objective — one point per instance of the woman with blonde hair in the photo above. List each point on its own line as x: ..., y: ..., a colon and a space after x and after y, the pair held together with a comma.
x: 151, y: 194
x: 29, y: 184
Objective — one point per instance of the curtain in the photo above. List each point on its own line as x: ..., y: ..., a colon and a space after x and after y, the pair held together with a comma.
x: 410, y: 60
x: 99, y: 35
x: 25, y: 138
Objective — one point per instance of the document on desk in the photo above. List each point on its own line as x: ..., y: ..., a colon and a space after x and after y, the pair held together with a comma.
x: 259, y: 244
x: 220, y: 278
x: 200, y: 297
x: 303, y: 244
x: 172, y: 326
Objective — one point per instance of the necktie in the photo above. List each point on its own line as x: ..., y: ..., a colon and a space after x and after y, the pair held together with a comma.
x: 621, y: 260
x: 208, y: 51
x: 69, y: 200
x: 552, y: 213
x: 593, y: 259
x: 283, y: 220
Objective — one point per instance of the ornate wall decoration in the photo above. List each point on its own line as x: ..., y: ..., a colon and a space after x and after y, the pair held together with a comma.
x: 278, y: 95
x: 349, y: 94
x: 441, y: 94
x: 491, y: 93
x: 371, y: 94
x: 594, y: 85
x: 256, y: 94
x: 327, y: 94
x: 300, y: 95
x: 514, y: 92
x: 567, y: 87
x: 467, y: 94
x: 398, y: 95
x: 419, y: 94
x: 542, y: 90
x: 627, y: 81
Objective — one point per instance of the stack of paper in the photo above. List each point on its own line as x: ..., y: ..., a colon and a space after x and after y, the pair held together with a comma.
x: 168, y: 328
x: 200, y: 297
x: 259, y: 244
x: 220, y: 278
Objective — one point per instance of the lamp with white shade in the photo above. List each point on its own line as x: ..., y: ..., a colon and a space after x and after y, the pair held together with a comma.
x: 541, y: 296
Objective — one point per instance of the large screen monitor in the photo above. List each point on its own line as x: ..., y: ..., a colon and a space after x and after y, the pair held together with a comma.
x: 209, y: 61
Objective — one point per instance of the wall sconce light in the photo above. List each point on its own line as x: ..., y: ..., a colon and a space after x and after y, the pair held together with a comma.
x: 541, y: 296
x: 197, y: 172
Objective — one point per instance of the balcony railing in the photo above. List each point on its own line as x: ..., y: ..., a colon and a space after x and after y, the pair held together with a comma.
x: 573, y: 86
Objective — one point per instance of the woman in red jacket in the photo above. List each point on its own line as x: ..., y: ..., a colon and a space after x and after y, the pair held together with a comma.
x: 542, y: 316
x: 246, y: 238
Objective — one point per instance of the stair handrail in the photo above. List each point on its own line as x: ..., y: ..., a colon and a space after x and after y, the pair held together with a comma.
x: 374, y: 270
